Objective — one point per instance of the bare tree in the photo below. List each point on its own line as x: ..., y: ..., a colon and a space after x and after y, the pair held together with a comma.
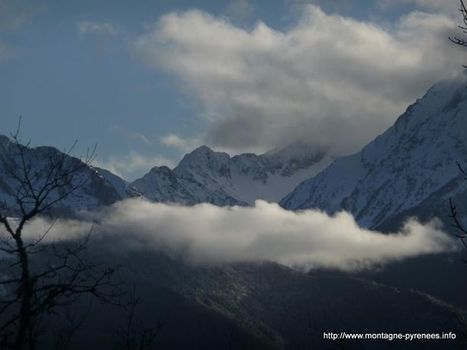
x: 135, y: 334
x: 457, y: 224
x: 463, y: 27
x: 40, y: 276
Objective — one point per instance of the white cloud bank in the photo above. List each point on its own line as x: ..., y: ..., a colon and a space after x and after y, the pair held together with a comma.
x: 328, y: 79
x: 207, y: 234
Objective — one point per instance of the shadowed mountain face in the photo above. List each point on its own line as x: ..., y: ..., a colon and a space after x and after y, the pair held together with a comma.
x: 263, y: 306
x: 408, y: 170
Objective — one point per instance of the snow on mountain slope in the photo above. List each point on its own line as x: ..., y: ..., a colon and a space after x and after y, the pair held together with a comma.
x: 201, y: 176
x: 122, y: 186
x: 99, y: 187
x: 412, y: 165
x: 207, y: 176
x: 162, y: 185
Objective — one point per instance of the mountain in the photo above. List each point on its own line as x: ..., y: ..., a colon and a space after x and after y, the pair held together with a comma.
x: 201, y: 176
x: 123, y: 187
x: 409, y: 170
x: 207, y: 176
x: 261, y: 306
x: 99, y: 187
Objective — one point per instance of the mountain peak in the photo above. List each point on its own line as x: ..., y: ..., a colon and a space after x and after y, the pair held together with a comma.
x: 207, y: 175
x: 205, y: 151
x: 202, y: 149
x: 402, y: 168
x: 160, y: 169
x: 203, y: 156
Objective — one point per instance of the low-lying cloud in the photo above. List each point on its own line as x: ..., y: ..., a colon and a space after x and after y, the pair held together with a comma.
x: 328, y: 79
x: 207, y: 234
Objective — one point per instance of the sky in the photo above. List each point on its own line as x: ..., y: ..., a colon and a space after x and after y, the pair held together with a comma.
x: 148, y: 81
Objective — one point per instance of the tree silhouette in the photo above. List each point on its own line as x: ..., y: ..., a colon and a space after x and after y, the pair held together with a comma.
x: 39, y: 277
x: 457, y: 224
x: 463, y: 27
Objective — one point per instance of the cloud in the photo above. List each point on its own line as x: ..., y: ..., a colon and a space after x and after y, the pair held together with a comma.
x: 97, y: 28
x: 132, y: 165
x: 179, y: 143
x: 328, y: 79
x: 132, y: 136
x: 14, y: 14
x: 207, y: 234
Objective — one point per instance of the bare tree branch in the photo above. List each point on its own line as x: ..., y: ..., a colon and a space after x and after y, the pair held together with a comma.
x: 135, y: 334
x: 456, y: 40
x: 35, y: 290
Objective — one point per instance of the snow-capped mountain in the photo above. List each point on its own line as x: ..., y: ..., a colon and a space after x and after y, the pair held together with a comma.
x: 123, y: 187
x: 96, y: 187
x: 408, y: 170
x: 207, y: 176
x: 201, y: 176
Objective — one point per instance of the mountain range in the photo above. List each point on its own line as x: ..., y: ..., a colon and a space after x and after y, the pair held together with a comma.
x: 214, y: 177
x: 409, y: 170
x: 201, y: 176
